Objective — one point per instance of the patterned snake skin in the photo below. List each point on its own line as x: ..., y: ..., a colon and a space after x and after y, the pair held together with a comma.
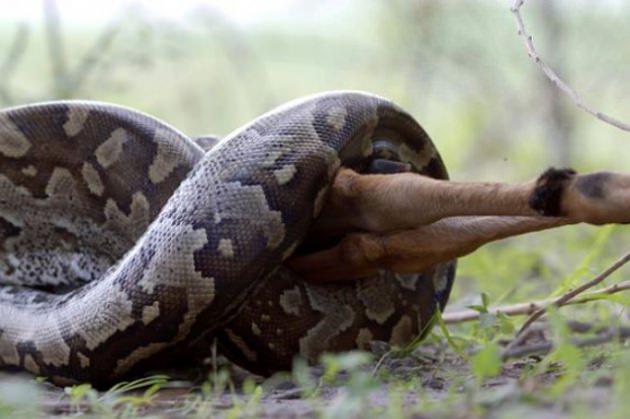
x: 123, y: 245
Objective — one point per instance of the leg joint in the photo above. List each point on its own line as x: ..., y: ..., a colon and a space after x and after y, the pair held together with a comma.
x: 550, y: 186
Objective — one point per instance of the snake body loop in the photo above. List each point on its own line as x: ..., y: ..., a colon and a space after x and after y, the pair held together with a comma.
x: 123, y: 243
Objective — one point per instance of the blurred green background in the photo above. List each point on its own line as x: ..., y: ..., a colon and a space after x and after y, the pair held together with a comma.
x: 458, y: 66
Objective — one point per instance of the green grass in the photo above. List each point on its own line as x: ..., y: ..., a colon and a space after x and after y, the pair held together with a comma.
x: 461, y: 70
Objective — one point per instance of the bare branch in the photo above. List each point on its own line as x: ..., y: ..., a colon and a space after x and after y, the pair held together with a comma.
x: 577, y: 291
x: 532, y: 306
x: 15, y: 51
x: 11, y: 60
x: 621, y: 334
x: 553, y: 76
x: 67, y: 82
x: 56, y: 48
x: 94, y: 55
x: 563, y: 299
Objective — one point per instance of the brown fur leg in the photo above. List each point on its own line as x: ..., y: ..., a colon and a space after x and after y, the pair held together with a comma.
x: 598, y: 198
x: 414, y: 250
x: 406, y: 200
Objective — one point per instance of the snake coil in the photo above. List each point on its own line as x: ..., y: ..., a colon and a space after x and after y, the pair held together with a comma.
x: 124, y: 244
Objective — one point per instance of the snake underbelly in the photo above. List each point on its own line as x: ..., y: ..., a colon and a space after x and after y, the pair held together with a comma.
x: 121, y: 240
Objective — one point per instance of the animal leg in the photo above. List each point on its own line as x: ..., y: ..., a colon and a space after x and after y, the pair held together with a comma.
x: 414, y: 250
x: 376, y: 202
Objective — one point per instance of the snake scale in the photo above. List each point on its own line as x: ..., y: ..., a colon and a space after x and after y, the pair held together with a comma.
x: 125, y: 244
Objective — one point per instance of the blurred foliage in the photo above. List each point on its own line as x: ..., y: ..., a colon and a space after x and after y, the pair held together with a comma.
x: 457, y: 66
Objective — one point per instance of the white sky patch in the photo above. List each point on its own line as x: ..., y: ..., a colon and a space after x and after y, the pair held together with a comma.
x: 238, y: 11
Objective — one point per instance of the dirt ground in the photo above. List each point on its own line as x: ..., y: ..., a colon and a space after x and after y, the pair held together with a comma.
x: 432, y: 381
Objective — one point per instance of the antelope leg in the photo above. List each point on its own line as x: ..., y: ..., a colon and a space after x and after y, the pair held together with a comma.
x: 381, y: 203
x: 414, y: 250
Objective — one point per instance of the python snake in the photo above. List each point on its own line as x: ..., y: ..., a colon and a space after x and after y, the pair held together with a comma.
x: 125, y: 245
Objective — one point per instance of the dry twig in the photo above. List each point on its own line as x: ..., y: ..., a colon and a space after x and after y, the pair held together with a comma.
x: 553, y: 76
x: 56, y: 47
x: 11, y: 60
x: 565, y: 298
x: 94, y: 55
x: 532, y: 306
x: 621, y: 333
x: 67, y: 82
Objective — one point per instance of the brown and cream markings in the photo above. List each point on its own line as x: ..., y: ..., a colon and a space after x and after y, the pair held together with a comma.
x: 121, y: 240
x: 125, y: 244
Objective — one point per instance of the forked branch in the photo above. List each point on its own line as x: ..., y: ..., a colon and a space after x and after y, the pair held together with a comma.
x: 11, y: 61
x: 68, y: 81
x: 553, y: 76
x: 531, y: 307
x: 610, y: 335
x: 564, y: 299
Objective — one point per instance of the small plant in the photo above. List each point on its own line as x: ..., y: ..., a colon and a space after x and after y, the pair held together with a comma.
x: 125, y: 396
x: 19, y: 398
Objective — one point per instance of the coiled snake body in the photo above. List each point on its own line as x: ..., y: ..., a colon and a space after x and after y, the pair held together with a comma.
x: 124, y: 244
